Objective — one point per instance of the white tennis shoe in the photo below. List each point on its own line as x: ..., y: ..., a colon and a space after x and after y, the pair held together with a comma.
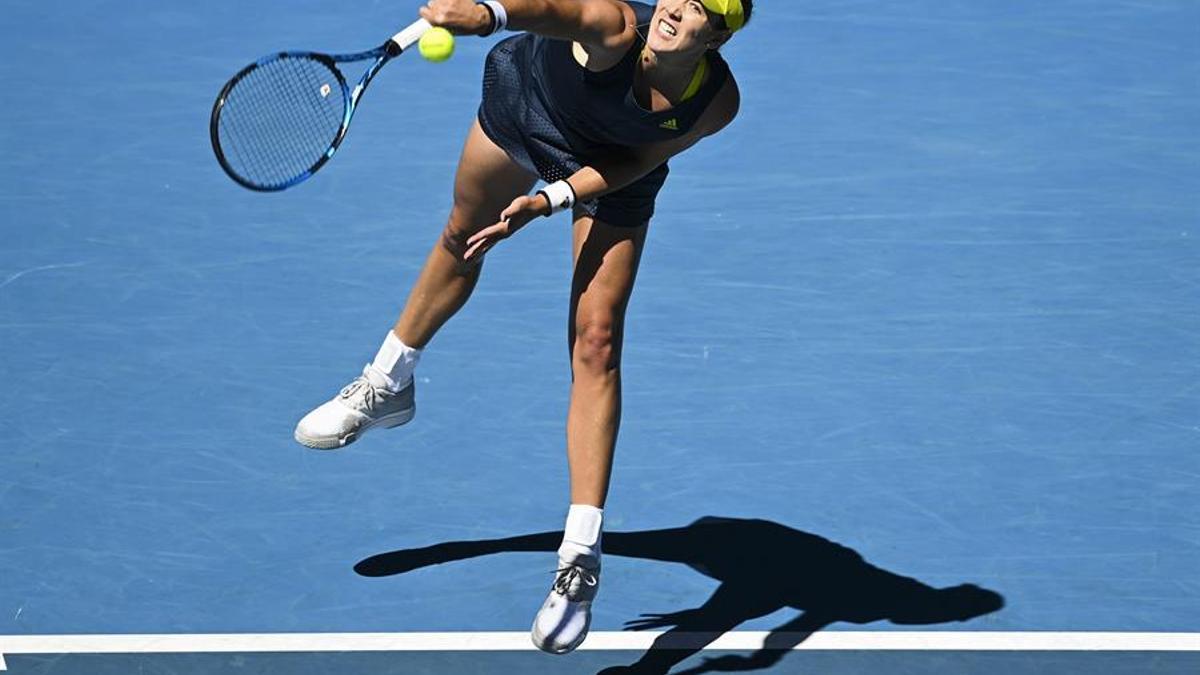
x: 363, y: 404
x: 562, y: 623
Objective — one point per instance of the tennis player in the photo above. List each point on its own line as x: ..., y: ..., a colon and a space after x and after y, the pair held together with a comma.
x: 593, y: 98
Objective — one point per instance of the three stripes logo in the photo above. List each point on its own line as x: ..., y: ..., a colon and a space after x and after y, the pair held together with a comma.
x: 671, y: 124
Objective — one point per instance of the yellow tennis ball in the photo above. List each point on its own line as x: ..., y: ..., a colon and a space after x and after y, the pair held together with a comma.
x: 437, y: 44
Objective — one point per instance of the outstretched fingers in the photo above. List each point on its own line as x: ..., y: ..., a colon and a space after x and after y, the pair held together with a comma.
x: 482, y: 241
x: 519, y: 212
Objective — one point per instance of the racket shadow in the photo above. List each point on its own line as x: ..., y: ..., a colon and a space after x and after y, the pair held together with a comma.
x: 762, y: 566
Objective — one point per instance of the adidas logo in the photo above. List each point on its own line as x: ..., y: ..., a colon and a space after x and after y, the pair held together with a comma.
x: 671, y: 124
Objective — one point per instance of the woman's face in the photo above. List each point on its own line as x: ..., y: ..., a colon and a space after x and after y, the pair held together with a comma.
x: 679, y: 26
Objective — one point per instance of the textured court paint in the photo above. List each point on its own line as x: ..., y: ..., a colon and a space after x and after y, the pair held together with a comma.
x: 933, y: 297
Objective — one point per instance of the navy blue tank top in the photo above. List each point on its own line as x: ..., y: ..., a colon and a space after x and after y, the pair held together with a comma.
x: 552, y: 115
x: 599, y: 108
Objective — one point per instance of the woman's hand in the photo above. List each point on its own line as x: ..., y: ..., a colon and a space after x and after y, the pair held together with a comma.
x: 461, y: 17
x: 522, y: 210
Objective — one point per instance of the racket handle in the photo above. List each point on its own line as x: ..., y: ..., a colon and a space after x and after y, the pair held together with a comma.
x: 410, y: 35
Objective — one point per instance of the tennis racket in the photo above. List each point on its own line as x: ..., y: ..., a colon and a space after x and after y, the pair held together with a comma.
x: 282, y: 117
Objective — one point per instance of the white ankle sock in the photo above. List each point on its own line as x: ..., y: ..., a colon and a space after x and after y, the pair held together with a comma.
x: 396, y: 362
x: 581, y: 536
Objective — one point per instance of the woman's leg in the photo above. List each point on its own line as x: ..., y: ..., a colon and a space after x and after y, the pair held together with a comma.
x: 606, y: 262
x: 486, y: 182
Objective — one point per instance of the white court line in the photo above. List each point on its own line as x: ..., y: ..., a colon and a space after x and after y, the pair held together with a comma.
x: 598, y: 641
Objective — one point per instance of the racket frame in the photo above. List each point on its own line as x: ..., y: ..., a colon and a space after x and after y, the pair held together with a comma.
x: 396, y: 45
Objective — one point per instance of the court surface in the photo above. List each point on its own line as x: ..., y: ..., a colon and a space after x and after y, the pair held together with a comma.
x: 927, y: 314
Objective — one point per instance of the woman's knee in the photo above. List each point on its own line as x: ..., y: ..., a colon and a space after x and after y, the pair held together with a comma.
x: 597, y: 345
x: 464, y: 221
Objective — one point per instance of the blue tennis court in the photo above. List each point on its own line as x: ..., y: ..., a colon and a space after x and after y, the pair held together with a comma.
x: 927, y: 315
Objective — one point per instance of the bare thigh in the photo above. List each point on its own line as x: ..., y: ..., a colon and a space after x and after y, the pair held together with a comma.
x: 486, y: 182
x: 606, y: 263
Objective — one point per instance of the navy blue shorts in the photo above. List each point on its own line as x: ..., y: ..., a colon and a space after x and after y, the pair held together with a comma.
x: 522, y: 129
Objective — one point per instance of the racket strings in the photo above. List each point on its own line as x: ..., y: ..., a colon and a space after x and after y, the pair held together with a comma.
x: 294, y: 128
x: 280, y: 119
x: 293, y: 121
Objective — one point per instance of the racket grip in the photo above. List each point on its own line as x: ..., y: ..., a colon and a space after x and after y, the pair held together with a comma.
x: 410, y: 35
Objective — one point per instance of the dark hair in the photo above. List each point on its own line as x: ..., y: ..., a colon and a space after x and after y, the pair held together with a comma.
x: 718, y: 21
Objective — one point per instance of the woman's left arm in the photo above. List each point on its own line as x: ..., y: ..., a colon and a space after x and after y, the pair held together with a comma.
x: 610, y: 174
x: 615, y: 172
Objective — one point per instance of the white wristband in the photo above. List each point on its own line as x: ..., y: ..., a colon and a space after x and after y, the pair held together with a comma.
x: 560, y: 195
x: 499, y: 15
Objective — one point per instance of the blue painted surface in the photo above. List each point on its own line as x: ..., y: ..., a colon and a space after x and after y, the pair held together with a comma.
x: 934, y: 297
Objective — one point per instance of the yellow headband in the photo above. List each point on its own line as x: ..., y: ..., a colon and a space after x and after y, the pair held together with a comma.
x: 735, y: 16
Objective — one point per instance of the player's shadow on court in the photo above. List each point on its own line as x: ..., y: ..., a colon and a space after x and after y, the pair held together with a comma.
x: 762, y: 566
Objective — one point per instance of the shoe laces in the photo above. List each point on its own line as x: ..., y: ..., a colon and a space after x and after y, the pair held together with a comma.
x: 567, y: 576
x: 361, y: 394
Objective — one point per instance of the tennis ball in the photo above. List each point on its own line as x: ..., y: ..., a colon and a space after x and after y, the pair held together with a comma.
x: 437, y: 44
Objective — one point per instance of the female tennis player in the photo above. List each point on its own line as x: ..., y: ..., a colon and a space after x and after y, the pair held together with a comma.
x: 593, y: 98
